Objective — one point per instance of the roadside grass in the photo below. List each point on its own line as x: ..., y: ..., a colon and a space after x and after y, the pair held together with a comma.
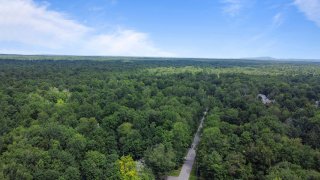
x: 175, y: 172
x: 193, y: 174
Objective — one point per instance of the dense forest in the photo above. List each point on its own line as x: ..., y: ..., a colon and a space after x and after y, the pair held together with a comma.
x: 135, y: 118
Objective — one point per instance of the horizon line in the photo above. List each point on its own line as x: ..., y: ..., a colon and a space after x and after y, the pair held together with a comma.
x: 263, y: 58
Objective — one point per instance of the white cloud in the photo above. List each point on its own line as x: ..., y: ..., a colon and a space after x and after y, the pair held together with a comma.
x: 29, y: 27
x: 127, y: 42
x: 233, y: 7
x: 311, y: 8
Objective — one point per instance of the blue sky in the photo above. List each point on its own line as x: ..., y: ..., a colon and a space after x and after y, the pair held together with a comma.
x: 179, y: 28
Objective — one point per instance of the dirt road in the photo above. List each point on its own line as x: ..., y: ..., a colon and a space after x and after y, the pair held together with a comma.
x: 187, y: 166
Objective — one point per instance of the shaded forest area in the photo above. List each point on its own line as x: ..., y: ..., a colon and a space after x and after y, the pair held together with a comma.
x: 136, y: 119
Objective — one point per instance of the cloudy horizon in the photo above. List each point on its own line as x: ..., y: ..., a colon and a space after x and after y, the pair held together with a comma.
x: 209, y: 29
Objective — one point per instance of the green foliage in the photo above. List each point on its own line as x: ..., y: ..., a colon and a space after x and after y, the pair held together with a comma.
x: 160, y: 159
x: 286, y: 170
x: 128, y: 168
x: 74, y: 119
x: 94, y: 165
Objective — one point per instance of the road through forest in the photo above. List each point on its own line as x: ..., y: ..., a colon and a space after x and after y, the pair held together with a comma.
x: 187, y: 166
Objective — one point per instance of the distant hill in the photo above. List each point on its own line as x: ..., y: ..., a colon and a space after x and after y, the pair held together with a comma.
x: 267, y: 58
